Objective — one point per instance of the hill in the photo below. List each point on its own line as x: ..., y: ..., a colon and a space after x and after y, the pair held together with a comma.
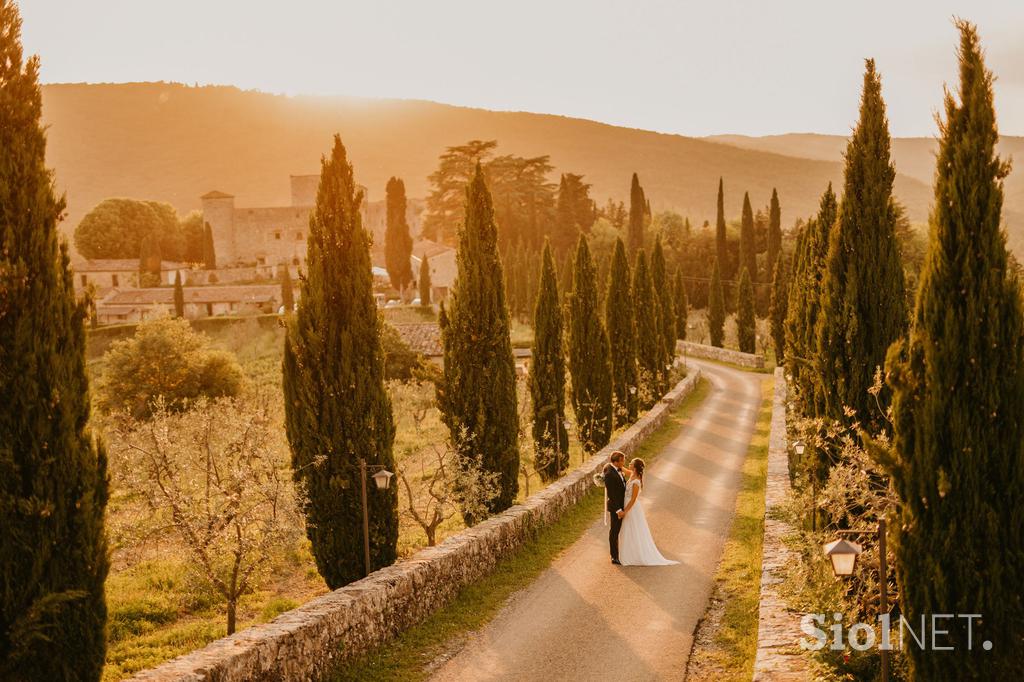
x: 172, y: 142
x: 914, y: 157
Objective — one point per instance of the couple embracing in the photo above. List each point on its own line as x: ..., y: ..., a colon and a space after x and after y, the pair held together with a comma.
x: 629, y: 537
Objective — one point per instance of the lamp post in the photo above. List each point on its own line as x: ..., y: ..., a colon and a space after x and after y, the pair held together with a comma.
x: 382, y: 479
x: 843, y: 555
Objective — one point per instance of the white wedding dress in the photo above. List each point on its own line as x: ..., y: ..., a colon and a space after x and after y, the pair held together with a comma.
x: 636, y: 546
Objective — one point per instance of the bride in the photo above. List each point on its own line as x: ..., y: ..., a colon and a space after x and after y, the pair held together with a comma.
x: 636, y: 546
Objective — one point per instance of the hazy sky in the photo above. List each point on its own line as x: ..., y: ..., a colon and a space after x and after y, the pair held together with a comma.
x: 696, y: 68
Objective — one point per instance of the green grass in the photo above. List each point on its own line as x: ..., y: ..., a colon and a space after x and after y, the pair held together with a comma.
x: 409, y: 656
x: 729, y: 655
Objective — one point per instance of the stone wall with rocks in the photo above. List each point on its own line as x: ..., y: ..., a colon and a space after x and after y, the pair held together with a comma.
x: 700, y: 350
x: 779, y: 656
x: 305, y: 643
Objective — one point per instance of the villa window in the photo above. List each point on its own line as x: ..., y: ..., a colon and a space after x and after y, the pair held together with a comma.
x: 298, y: 236
x: 277, y: 235
x: 85, y: 280
x: 113, y: 281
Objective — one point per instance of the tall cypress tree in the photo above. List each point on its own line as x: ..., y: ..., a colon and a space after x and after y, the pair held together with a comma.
x: 478, y: 398
x: 666, y: 312
x: 716, y: 308
x: 619, y: 320
x: 337, y: 410
x: 637, y: 212
x: 777, y: 309
x: 547, y: 375
x: 774, y: 231
x: 681, y: 306
x: 650, y: 344
x: 589, y: 355
x: 179, y: 296
x: 209, y: 253
x: 958, y: 397
x: 748, y: 249
x: 53, y: 480
x: 425, y: 284
x: 566, y: 227
x: 721, y: 243
x: 287, y: 290
x: 862, y: 293
x: 746, y: 324
x: 397, y: 241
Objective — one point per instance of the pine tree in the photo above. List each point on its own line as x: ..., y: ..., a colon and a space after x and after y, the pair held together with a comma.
x: 681, y: 305
x: 746, y: 324
x: 958, y: 393
x: 778, y: 308
x: 337, y: 409
x: 547, y: 376
x: 589, y: 360
x: 621, y: 326
x: 53, y: 479
x: 424, y: 282
x: 478, y: 398
x: 209, y: 254
x: 862, y: 293
x: 179, y: 296
x: 721, y: 243
x: 716, y: 308
x: 748, y: 248
x: 666, y: 311
x: 637, y: 211
x: 287, y: 290
x: 774, y: 231
x: 650, y: 343
x: 397, y: 241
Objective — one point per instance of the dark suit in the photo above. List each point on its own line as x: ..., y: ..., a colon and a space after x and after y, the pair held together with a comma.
x: 615, y: 489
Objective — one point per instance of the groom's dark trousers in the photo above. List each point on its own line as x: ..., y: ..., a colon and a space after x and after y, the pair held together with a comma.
x: 615, y: 488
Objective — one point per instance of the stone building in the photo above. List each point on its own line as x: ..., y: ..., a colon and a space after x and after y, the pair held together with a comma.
x: 104, y: 274
x: 276, y: 235
x: 133, y: 305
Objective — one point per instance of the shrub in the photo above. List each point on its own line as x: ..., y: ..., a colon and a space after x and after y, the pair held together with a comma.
x: 165, y: 359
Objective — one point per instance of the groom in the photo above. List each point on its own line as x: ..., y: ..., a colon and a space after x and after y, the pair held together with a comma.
x: 615, y: 492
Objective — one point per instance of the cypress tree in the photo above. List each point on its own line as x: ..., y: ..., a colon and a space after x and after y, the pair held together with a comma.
x: 666, y: 312
x: 619, y: 321
x: 862, y: 293
x: 748, y: 252
x: 547, y: 375
x: 337, y: 410
x: 478, y: 401
x: 746, y: 324
x: 53, y: 479
x: 397, y: 241
x: 566, y: 227
x: 650, y: 343
x: 958, y: 397
x: 778, y: 308
x: 774, y: 231
x: 716, y: 308
x: 209, y: 254
x: 179, y: 296
x: 287, y: 290
x: 721, y: 244
x: 589, y: 359
x: 425, y: 284
x: 637, y: 210
x: 681, y: 306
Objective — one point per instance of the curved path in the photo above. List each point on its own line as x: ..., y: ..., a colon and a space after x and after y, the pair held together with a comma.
x: 585, y: 619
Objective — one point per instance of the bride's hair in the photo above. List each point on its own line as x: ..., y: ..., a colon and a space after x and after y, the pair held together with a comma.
x: 637, y: 465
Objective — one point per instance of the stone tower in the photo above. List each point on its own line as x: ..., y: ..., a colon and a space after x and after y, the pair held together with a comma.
x: 219, y: 212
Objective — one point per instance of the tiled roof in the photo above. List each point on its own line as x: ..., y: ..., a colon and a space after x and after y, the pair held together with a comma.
x: 217, y: 194
x: 428, y: 248
x: 422, y: 338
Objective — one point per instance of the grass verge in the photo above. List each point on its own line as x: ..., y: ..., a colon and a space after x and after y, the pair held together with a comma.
x: 726, y: 639
x: 410, y: 655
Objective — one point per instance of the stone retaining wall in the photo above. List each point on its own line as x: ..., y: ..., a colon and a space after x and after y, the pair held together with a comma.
x: 700, y: 350
x: 779, y: 656
x: 306, y: 642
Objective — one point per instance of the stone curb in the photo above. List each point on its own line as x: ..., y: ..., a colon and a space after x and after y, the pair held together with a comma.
x: 779, y: 657
x: 305, y: 643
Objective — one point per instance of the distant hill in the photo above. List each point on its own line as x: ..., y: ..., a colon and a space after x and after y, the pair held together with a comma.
x: 171, y: 142
x: 914, y: 157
